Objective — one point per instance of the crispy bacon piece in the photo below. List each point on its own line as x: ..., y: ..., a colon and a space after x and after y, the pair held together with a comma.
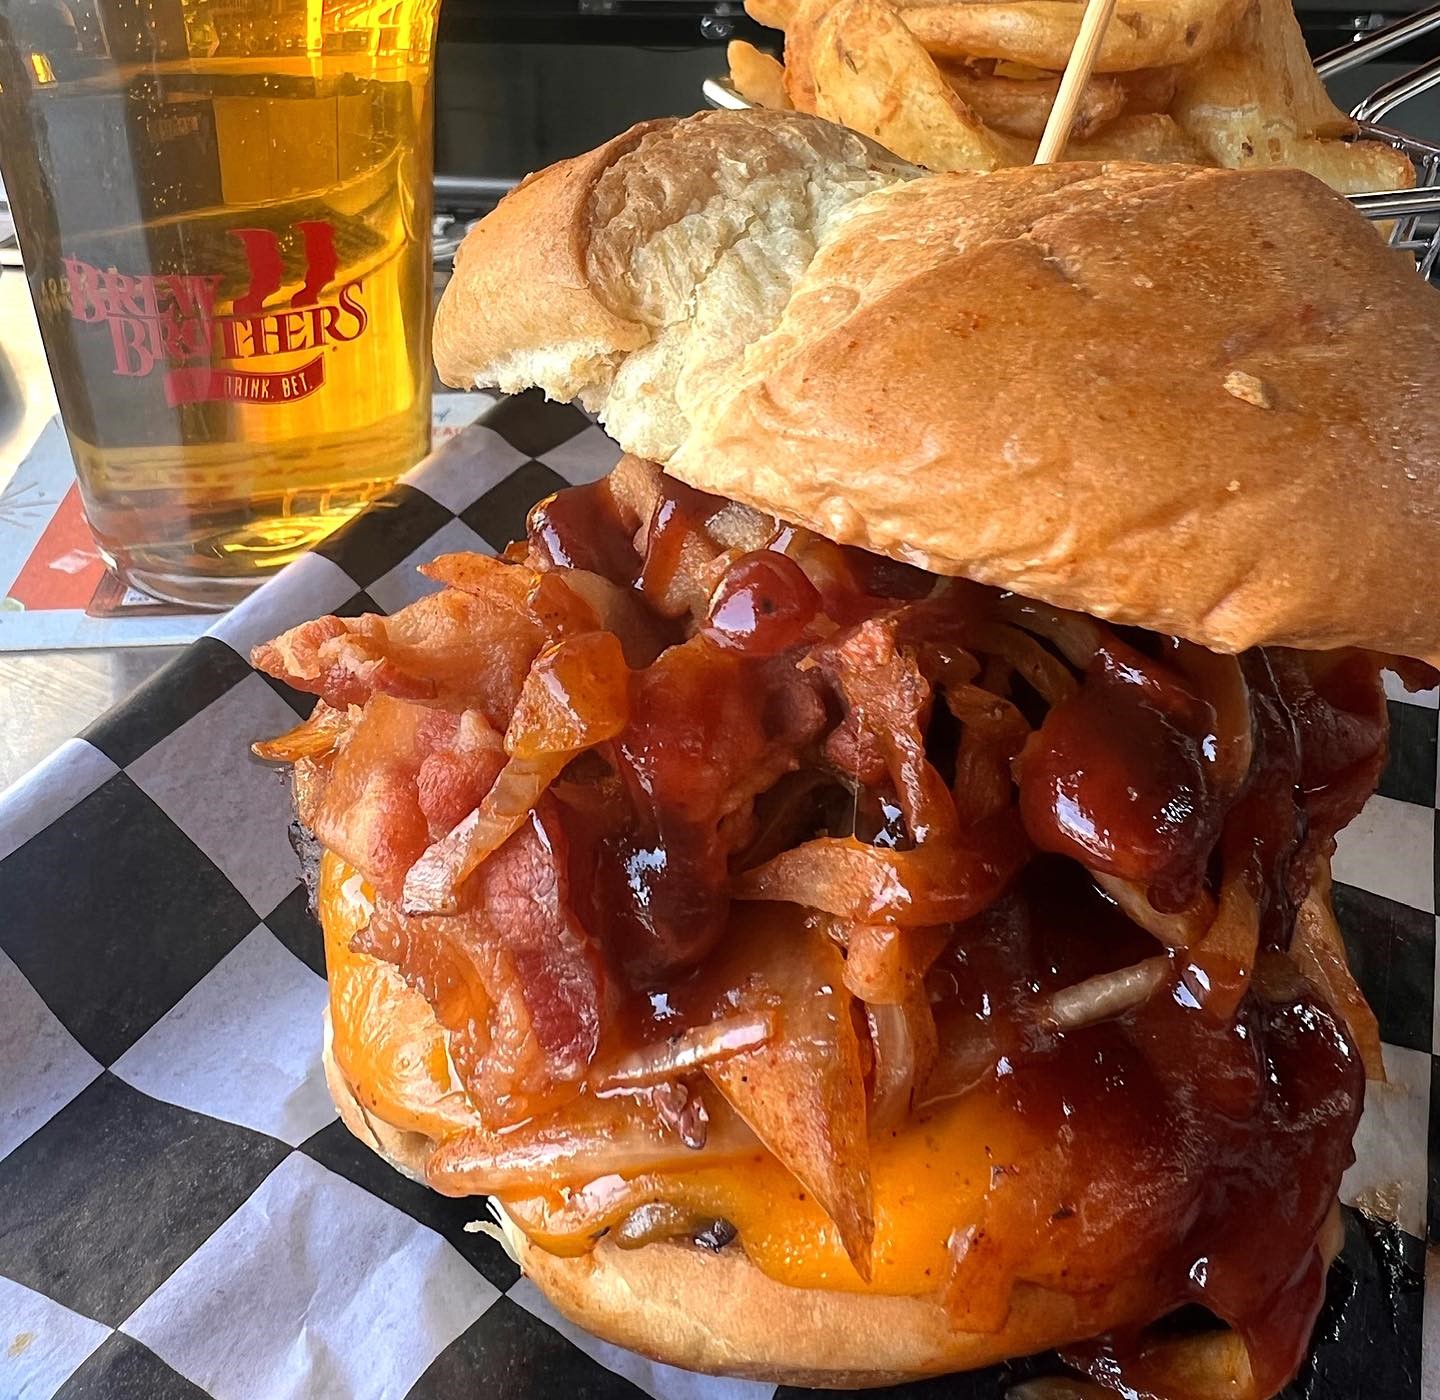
x: 888, y: 705
x: 542, y: 970
x: 471, y: 643
x: 404, y: 772
x: 575, y: 696
x: 343, y: 660
x: 526, y: 1043
x: 431, y: 963
x: 543, y: 597
x: 484, y: 576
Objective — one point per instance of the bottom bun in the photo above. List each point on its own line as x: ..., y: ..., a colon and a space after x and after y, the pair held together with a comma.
x: 717, y: 1313
x: 406, y: 1152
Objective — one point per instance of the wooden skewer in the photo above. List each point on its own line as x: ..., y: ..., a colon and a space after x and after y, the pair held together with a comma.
x: 1093, y: 25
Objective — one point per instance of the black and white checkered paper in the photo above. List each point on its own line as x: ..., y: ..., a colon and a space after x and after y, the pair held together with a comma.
x: 182, y: 1215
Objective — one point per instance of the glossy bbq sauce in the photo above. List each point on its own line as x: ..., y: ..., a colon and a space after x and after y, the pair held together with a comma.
x: 712, y: 718
x: 677, y: 522
x: 1271, y: 1102
x: 705, y: 716
x: 1164, y: 1146
x: 1121, y: 777
x: 585, y: 527
x: 1262, y: 1109
x: 1175, y: 1142
x: 761, y: 606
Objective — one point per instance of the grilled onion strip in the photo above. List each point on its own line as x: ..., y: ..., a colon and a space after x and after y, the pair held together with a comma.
x: 1106, y: 995
x: 689, y: 1050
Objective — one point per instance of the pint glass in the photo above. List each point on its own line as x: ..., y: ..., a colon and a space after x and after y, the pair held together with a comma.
x: 223, y: 209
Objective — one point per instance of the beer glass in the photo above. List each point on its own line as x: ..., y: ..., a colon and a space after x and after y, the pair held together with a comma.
x: 224, y: 213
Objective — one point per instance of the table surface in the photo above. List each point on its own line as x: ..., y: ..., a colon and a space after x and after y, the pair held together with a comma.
x: 46, y: 696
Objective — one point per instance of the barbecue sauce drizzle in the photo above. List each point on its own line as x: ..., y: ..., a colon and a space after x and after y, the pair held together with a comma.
x: 1120, y: 775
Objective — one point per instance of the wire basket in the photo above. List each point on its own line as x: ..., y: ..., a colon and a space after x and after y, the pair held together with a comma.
x: 1414, y: 214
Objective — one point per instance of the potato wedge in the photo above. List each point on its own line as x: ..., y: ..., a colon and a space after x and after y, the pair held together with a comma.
x: 1021, y: 106
x: 1142, y: 33
x: 801, y: 32
x: 1259, y: 101
x: 775, y: 14
x: 1148, y: 89
x: 758, y: 77
x: 1152, y: 137
x: 871, y: 74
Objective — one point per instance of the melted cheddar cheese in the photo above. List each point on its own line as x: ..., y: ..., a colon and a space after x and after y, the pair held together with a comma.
x: 929, y: 1176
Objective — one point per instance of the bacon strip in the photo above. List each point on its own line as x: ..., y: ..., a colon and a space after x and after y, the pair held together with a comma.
x: 575, y: 696
x: 449, y: 646
x: 403, y: 770
x: 889, y: 703
x: 526, y: 1041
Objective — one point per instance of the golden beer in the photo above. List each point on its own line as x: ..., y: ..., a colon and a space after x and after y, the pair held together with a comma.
x: 224, y: 208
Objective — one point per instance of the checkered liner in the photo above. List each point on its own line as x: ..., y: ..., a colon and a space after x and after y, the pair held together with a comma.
x: 181, y: 1213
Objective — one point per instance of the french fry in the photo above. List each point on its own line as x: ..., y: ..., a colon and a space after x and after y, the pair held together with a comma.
x: 1020, y: 106
x: 1142, y: 33
x: 758, y: 77
x: 872, y: 74
x: 1152, y: 137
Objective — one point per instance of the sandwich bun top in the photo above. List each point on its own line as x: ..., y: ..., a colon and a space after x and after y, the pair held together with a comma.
x: 1200, y: 401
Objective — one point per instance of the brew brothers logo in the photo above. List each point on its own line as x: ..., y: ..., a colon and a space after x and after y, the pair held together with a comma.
x: 170, y: 322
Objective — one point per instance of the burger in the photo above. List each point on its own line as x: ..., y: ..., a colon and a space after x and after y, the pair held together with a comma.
x: 852, y: 884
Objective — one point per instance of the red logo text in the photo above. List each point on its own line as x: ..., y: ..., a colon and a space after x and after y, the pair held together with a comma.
x: 170, y: 321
